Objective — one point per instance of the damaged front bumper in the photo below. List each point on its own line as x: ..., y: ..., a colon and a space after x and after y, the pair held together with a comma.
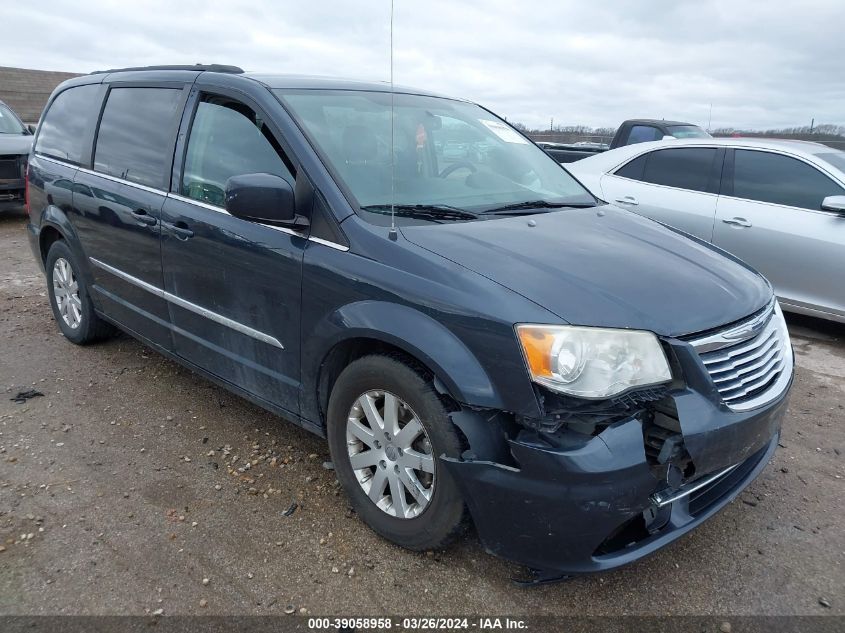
x: 568, y: 503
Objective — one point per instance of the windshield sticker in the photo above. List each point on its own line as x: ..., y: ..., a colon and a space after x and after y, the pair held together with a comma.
x: 507, y: 134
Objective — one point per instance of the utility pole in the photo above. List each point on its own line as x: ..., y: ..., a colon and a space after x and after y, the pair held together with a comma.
x: 812, y: 124
x: 709, y: 117
x: 552, y: 125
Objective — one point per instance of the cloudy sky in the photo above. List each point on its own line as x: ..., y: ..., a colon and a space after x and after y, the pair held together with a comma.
x: 761, y: 64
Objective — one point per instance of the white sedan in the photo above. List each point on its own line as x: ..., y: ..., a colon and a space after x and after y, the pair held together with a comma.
x: 779, y: 205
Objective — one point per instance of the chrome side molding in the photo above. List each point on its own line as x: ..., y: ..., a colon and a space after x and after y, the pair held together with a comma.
x: 187, y: 305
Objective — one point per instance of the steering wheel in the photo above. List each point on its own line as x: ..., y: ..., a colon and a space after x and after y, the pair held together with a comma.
x: 465, y: 164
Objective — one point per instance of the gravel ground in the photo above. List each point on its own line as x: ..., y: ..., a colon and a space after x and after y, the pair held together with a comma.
x: 120, y: 494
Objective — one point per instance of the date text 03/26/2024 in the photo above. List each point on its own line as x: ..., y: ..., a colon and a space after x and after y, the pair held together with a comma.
x: 418, y: 623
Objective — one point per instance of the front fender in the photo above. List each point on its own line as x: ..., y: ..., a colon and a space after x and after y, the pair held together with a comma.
x: 408, y: 329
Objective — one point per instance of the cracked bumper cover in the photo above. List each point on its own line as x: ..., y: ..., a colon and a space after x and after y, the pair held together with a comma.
x: 552, y: 509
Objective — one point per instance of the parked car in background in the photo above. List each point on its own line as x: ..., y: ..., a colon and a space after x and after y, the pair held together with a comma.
x: 631, y: 132
x: 576, y: 380
x: 15, y: 144
x: 778, y: 205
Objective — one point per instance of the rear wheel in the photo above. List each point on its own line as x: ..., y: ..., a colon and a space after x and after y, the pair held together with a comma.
x: 69, y: 298
x: 387, y: 429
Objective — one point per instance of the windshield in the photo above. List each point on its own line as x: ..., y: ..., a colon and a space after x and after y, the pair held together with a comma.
x: 453, y: 159
x: 9, y: 123
x: 687, y: 131
x: 835, y: 158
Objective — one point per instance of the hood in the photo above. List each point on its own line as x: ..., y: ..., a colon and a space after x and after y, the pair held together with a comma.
x: 604, y: 267
x: 15, y: 143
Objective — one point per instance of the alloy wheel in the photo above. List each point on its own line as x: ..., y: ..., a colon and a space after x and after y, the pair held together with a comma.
x: 390, y: 454
x: 66, y: 293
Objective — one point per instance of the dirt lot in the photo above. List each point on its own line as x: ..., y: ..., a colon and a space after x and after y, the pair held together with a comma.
x: 116, y: 497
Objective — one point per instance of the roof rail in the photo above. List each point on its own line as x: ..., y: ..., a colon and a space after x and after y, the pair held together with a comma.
x: 214, y: 68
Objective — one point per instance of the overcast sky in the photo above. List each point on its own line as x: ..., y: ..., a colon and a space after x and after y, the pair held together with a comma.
x: 761, y: 64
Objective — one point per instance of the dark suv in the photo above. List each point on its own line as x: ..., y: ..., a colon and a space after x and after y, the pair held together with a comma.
x: 470, y: 330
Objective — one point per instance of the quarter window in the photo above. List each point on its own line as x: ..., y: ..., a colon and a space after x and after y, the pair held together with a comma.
x: 66, y: 127
x: 136, y: 135
x: 634, y: 169
x: 228, y: 139
x: 768, y: 177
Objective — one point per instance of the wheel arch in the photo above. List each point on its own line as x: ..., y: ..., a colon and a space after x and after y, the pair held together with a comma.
x: 375, y: 327
x: 55, y: 225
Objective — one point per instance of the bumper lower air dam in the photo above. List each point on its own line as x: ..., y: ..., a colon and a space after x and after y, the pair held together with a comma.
x: 567, y: 510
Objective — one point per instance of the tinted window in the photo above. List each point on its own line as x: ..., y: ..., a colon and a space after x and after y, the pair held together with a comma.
x: 684, y: 168
x: 634, y: 169
x: 643, y: 134
x: 65, y: 126
x: 136, y: 133
x: 228, y: 139
x: 780, y: 179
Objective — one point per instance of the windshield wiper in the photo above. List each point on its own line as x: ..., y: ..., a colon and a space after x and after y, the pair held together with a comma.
x: 530, y: 205
x: 434, y: 212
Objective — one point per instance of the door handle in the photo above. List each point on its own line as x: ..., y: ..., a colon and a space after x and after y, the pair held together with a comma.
x: 143, y: 217
x: 179, y: 229
x: 629, y: 200
x: 737, y: 222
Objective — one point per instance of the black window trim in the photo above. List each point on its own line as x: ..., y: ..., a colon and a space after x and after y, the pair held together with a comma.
x: 728, y: 177
x: 715, y: 178
x: 185, y: 87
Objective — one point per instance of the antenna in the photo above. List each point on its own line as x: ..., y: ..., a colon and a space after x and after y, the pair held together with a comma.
x: 392, y: 234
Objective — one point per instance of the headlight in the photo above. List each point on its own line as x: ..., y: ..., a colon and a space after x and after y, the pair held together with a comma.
x: 592, y: 362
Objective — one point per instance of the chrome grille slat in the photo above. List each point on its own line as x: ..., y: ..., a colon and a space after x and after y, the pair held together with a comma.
x: 753, y: 382
x: 714, y: 366
x: 750, y: 346
x: 749, y: 363
x: 737, y: 372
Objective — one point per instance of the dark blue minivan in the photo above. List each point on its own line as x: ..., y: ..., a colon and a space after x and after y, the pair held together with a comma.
x: 477, y: 336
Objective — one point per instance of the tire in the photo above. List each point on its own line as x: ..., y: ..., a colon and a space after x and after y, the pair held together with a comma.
x: 421, y: 524
x: 72, y: 310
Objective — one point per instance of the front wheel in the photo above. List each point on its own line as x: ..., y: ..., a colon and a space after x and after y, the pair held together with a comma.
x: 387, y: 429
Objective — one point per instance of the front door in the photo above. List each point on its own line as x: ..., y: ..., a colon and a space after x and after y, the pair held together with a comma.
x: 233, y: 286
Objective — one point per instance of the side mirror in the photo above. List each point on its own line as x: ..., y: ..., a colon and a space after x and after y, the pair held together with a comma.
x: 835, y: 204
x: 31, y: 128
x: 263, y: 198
x: 668, y: 137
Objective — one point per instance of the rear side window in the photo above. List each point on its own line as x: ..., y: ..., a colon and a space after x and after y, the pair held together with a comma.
x: 643, y: 134
x: 228, y: 139
x: 780, y: 179
x: 135, y: 140
x: 67, y: 123
x: 684, y: 168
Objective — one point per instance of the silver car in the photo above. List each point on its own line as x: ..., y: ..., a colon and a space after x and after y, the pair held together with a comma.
x: 778, y: 205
